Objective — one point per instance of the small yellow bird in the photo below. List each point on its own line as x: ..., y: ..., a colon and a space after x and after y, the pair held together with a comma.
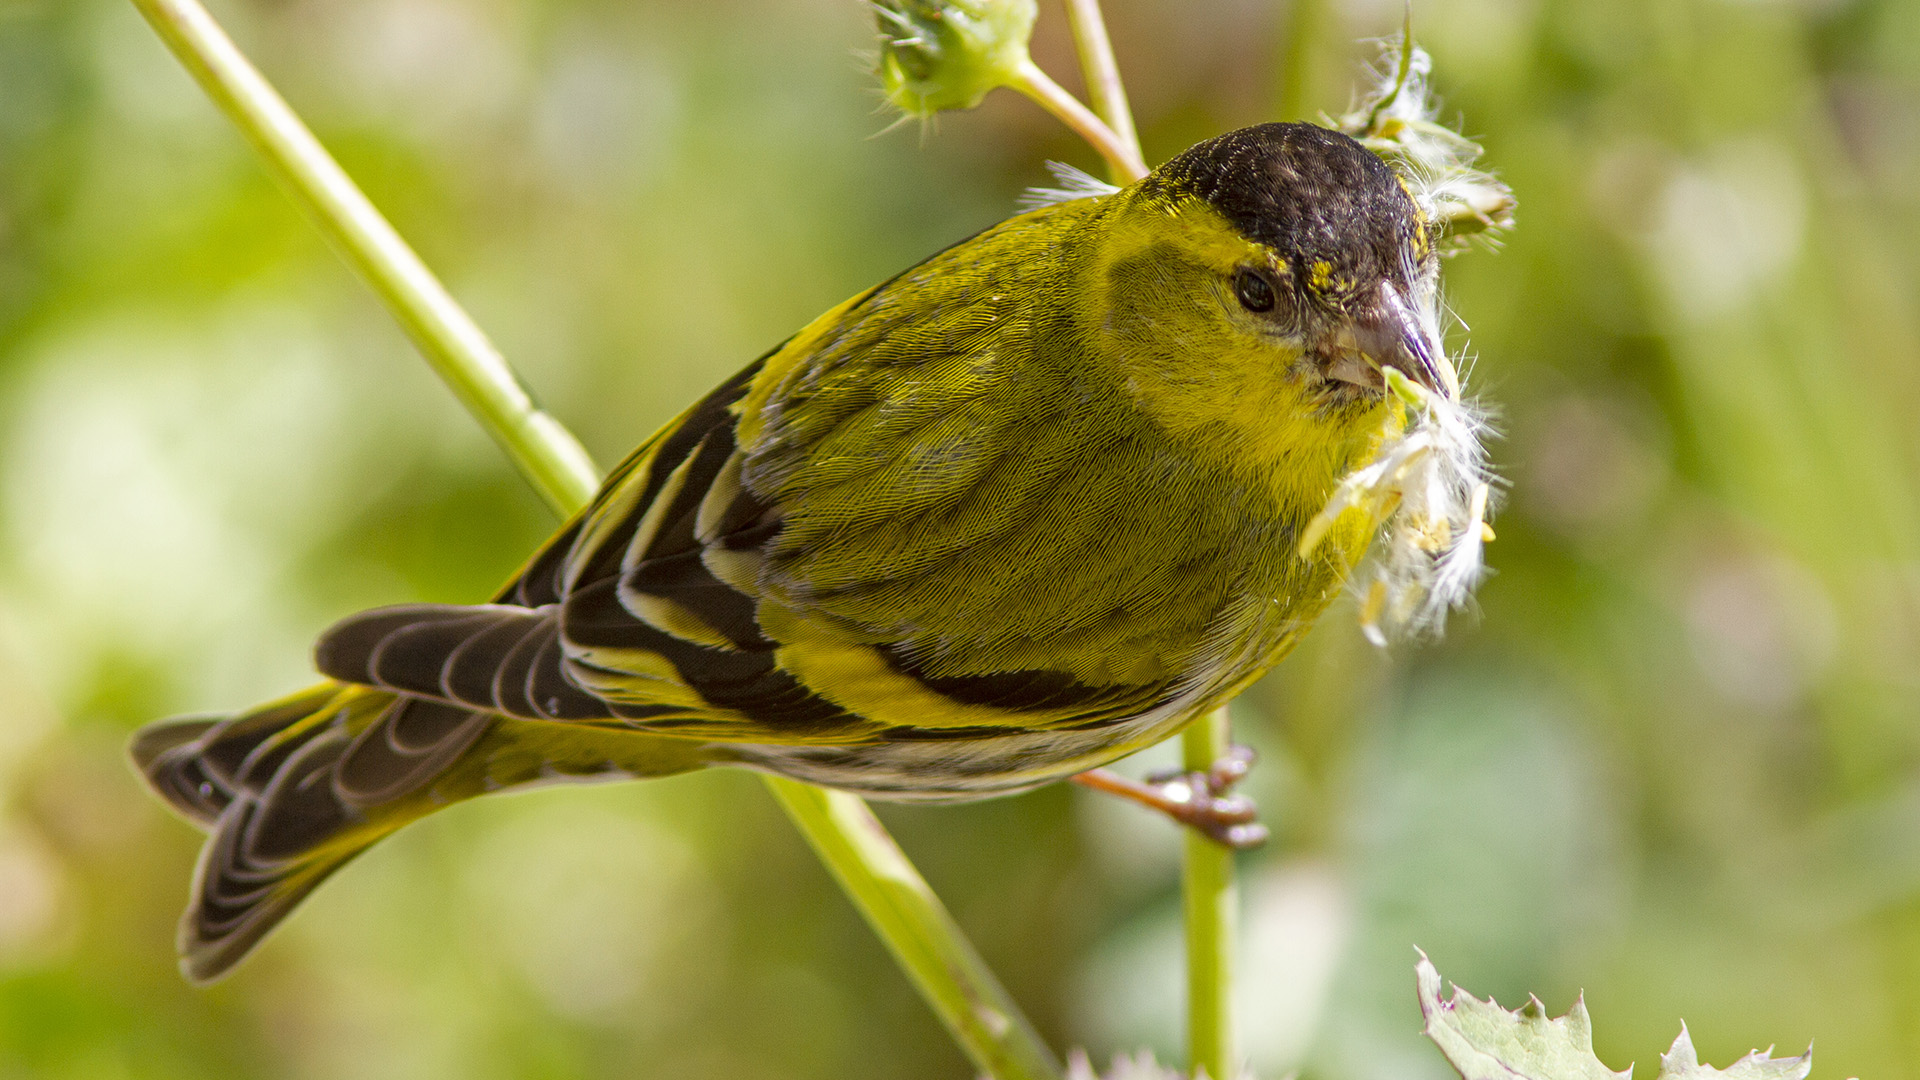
x: 1027, y: 507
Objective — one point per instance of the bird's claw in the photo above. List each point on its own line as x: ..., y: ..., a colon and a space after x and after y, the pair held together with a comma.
x: 1201, y: 800
x: 1206, y: 802
x: 1231, y: 768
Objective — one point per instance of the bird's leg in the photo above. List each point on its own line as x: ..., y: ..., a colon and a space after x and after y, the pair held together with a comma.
x: 1199, y: 800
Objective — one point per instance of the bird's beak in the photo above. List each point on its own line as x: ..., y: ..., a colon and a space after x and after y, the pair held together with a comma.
x: 1394, y: 334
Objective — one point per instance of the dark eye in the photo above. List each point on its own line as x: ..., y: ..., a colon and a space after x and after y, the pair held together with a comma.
x: 1254, y: 290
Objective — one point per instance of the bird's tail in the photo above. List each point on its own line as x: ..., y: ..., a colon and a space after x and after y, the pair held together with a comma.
x: 294, y: 789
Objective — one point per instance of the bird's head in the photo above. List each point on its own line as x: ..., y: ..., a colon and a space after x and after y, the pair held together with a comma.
x: 1256, y: 286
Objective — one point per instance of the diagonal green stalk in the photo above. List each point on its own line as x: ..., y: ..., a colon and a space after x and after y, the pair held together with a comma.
x: 1123, y: 155
x: 1102, y: 73
x: 883, y: 884
x: 548, y: 455
x: 902, y: 908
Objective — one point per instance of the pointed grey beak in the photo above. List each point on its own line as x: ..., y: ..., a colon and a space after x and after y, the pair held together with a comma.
x: 1395, y: 335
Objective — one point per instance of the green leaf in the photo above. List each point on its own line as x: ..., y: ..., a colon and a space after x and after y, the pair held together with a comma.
x: 1681, y: 1063
x: 1487, y: 1042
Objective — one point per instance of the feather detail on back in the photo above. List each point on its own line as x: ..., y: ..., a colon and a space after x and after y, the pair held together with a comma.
x: 808, y: 556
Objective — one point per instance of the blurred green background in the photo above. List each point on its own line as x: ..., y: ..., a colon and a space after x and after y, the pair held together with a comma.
x: 1674, y: 761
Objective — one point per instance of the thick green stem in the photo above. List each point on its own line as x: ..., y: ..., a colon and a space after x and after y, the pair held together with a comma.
x: 1102, y: 72
x: 911, y: 920
x: 1305, y: 25
x: 1210, y: 901
x: 552, y: 460
x: 1123, y: 157
x: 887, y: 889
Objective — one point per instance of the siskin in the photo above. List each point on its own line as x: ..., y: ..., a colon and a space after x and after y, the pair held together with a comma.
x: 1027, y: 507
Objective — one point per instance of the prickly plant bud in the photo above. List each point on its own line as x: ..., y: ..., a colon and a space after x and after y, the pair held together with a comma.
x: 948, y: 54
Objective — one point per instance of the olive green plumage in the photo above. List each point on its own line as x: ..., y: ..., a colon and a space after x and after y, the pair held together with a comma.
x: 1028, y: 506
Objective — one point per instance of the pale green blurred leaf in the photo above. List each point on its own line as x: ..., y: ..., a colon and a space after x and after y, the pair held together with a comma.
x: 1681, y: 1063
x: 1487, y: 1042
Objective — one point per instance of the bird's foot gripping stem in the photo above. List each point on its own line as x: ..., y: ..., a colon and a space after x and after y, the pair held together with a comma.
x: 1202, y: 801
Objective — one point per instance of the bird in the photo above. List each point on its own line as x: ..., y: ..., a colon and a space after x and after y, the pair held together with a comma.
x: 1026, y: 507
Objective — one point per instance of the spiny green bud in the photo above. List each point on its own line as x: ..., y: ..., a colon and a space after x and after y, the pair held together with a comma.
x: 948, y: 54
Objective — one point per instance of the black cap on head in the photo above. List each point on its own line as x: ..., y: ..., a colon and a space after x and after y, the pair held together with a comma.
x: 1313, y: 195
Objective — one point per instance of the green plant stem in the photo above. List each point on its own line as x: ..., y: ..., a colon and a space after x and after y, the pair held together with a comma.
x: 901, y: 906
x: 887, y: 889
x: 1102, y: 73
x: 1305, y: 25
x: 551, y: 459
x: 1123, y: 158
x: 1211, y: 903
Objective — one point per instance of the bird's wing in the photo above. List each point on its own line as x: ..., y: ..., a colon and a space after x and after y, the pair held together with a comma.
x: 881, y: 528
x: 509, y: 657
x: 842, y: 543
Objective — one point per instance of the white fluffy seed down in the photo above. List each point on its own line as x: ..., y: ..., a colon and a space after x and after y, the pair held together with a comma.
x: 1427, y: 487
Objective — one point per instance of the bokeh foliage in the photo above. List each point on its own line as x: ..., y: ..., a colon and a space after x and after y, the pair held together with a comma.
x: 1676, y: 761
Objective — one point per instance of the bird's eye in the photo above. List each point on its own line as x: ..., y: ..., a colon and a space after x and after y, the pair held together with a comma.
x: 1254, y: 290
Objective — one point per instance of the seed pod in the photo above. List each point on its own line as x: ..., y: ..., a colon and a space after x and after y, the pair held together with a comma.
x: 948, y: 54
